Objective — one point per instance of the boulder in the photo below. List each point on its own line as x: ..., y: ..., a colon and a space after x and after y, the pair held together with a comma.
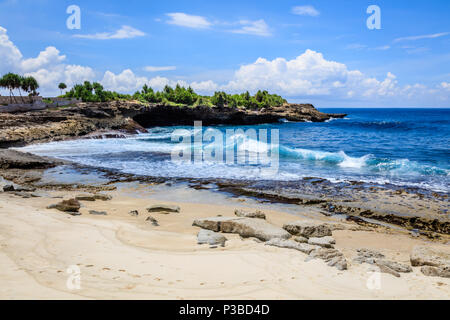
x: 153, y: 221
x: 436, y: 271
x: 163, y: 208
x: 333, y: 257
x: 98, y: 213
x: 308, y: 229
x: 245, y: 227
x: 326, y: 242
x: 71, y: 206
x: 291, y: 244
x: 8, y: 188
x: 425, y: 256
x: 250, y: 214
x: 210, y: 237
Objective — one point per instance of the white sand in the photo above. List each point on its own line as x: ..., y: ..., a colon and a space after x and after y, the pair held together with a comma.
x: 124, y: 257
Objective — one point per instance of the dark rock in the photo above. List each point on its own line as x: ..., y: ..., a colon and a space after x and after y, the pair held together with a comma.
x: 71, y: 206
x: 163, y: 208
x: 8, y: 188
x: 133, y: 213
x: 153, y: 221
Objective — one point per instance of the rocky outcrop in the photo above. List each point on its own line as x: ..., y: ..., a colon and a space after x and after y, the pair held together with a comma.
x: 377, y: 259
x: 426, y: 256
x: 130, y: 117
x: 308, y: 229
x: 164, y: 208
x: 250, y: 214
x: 11, y: 159
x: 333, y: 257
x: 245, y: 227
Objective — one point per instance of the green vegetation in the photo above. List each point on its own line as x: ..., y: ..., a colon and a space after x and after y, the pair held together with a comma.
x: 12, y: 81
x: 94, y: 92
x: 178, y: 96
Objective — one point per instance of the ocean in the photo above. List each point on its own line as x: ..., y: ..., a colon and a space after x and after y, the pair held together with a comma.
x: 403, y: 147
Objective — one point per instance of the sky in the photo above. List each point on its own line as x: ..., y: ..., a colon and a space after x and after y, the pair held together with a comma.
x: 316, y: 51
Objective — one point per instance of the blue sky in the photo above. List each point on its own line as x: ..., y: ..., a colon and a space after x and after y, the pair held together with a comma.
x: 311, y: 51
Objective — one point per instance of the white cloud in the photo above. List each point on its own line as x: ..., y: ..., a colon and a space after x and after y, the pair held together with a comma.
x: 309, y: 76
x: 48, y: 67
x: 157, y: 69
x: 49, y: 56
x: 125, y: 32
x: 258, y: 28
x: 427, y: 36
x: 305, y: 11
x: 10, y: 56
x: 189, y: 21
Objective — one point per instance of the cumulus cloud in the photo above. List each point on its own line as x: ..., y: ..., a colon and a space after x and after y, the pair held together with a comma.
x: 190, y: 21
x: 125, y: 32
x: 305, y: 11
x: 48, y: 67
x: 311, y: 75
x: 258, y: 28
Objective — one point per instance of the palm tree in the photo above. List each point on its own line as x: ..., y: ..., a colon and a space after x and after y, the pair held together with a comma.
x: 62, y: 86
x: 30, y: 85
x: 11, y: 81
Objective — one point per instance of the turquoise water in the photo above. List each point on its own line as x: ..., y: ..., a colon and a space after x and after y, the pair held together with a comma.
x: 409, y: 147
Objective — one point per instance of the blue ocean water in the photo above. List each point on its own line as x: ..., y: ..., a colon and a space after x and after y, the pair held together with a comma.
x: 408, y: 147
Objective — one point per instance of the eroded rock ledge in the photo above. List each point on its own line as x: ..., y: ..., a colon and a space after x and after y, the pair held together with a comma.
x: 128, y: 117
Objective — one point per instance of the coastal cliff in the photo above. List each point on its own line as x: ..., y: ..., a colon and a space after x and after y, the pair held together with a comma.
x: 118, y: 118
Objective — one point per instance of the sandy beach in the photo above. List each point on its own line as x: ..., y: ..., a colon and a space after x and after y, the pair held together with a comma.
x: 120, y: 256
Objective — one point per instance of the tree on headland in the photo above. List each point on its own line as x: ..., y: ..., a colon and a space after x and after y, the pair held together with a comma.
x: 30, y: 85
x: 11, y: 81
x: 62, y: 86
